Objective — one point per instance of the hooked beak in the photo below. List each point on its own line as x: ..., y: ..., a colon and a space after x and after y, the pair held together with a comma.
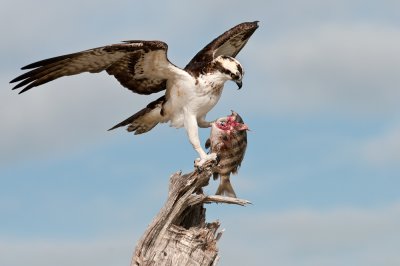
x: 239, y: 83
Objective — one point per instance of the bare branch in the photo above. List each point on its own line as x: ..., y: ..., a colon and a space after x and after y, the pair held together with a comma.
x: 179, y: 235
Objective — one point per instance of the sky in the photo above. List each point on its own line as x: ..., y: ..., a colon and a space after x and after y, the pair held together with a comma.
x: 320, y: 95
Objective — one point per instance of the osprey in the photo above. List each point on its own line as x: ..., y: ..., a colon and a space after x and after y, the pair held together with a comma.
x: 143, y: 67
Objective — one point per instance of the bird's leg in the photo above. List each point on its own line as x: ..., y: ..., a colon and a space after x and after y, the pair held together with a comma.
x: 203, y: 123
x: 193, y: 134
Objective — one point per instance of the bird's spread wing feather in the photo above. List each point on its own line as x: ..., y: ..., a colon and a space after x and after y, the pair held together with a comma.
x: 140, y: 66
x: 229, y: 44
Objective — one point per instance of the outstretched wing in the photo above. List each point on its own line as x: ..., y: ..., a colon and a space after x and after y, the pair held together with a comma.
x: 140, y: 66
x: 229, y: 43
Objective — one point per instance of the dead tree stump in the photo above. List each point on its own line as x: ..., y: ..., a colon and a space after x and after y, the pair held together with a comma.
x: 179, y: 234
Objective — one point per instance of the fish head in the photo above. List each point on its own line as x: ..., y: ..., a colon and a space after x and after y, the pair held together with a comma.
x: 230, y: 124
x: 236, y: 122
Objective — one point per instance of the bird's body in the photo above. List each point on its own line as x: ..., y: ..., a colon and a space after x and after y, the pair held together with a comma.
x: 228, y: 139
x: 202, y: 93
x: 143, y: 67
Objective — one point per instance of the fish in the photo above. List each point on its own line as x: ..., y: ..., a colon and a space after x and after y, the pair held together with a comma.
x: 228, y: 139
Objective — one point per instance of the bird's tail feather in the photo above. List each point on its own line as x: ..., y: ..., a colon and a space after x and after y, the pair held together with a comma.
x: 225, y: 187
x: 144, y: 120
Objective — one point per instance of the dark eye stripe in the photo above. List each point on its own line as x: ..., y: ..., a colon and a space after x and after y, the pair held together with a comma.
x: 239, y: 67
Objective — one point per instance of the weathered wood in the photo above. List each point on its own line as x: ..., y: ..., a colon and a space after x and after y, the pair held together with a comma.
x: 179, y: 234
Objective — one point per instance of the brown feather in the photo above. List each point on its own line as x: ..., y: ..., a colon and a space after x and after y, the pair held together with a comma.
x: 131, y: 121
x: 229, y: 44
x: 120, y: 60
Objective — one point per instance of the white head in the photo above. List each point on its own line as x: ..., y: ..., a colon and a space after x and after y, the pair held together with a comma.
x: 230, y: 69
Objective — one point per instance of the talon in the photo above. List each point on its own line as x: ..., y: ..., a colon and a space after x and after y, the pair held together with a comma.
x: 212, y: 156
x: 199, y: 162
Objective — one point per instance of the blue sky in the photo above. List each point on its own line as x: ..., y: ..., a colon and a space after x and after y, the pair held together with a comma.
x: 320, y: 94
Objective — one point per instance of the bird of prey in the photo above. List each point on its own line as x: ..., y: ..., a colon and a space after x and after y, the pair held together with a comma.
x: 143, y: 68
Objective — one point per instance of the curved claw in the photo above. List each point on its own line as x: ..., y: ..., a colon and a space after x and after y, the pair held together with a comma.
x: 199, y: 162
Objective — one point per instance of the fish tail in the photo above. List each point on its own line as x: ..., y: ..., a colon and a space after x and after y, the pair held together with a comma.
x: 225, y: 187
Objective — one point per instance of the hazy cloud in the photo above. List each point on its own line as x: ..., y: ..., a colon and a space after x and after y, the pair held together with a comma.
x: 63, y: 115
x: 343, y: 236
x: 99, y: 252
x: 308, y: 57
x: 335, y: 68
x: 384, y: 149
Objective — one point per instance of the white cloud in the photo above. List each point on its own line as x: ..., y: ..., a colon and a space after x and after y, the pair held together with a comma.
x: 344, y: 236
x: 383, y: 150
x: 63, y: 115
x: 341, y: 68
x: 99, y: 252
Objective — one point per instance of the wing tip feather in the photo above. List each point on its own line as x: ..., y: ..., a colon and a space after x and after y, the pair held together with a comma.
x: 26, y: 89
x: 114, y: 127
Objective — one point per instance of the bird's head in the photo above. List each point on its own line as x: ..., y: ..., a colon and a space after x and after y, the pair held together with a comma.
x: 229, y: 68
